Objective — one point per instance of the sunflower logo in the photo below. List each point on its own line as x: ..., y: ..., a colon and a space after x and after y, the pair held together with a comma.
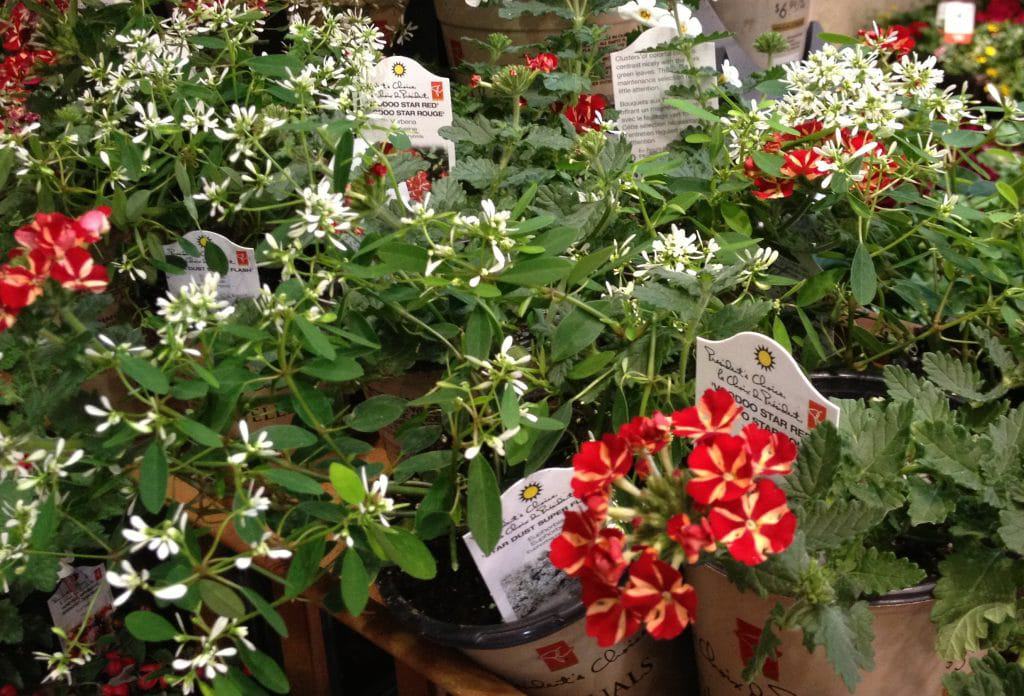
x: 764, y: 357
x: 531, y: 491
x: 203, y: 241
x: 398, y: 69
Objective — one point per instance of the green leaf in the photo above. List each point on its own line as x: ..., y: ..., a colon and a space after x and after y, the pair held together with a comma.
x: 286, y: 437
x: 266, y: 610
x: 339, y: 369
x: 816, y: 464
x: 927, y: 502
x: 355, y: 583
x: 221, y: 599
x: 586, y: 267
x: 343, y: 161
x: 949, y: 450
x: 427, y: 461
x: 846, y: 636
x: 767, y: 645
x: 828, y: 524
x: 878, y: 439
x: 266, y: 671
x: 537, y: 272
x: 479, y: 334
x: 11, y: 630
x: 878, y: 572
x: 6, y: 164
x: 817, y: 286
x: 347, y: 484
x: 153, y: 477
x: 991, y: 675
x: 405, y: 550
x: 294, y: 481
x: 976, y: 591
x: 592, y: 364
x: 693, y: 109
x: 576, y: 331
x: 769, y: 162
x: 145, y: 373
x: 1007, y: 192
x: 376, y: 413
x: 484, y: 505
x: 149, y: 626
x: 842, y: 39
x: 669, y: 299
x: 478, y: 132
x: 216, y: 259
x: 509, y: 409
x: 304, y: 567
x: 955, y: 376
x: 737, y: 219
x: 1011, y: 529
x: 863, y: 280
x: 197, y: 432
x: 479, y: 172
x: 313, y: 338
x: 963, y: 138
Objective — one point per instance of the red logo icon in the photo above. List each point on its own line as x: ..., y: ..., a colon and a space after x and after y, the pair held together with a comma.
x: 437, y: 91
x: 816, y: 414
x: 558, y: 655
x: 749, y: 636
x: 242, y: 257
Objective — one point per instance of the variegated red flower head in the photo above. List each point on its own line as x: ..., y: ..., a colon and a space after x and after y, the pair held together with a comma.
x: 657, y: 593
x: 647, y: 435
x: 770, y: 453
x: 754, y: 525
x: 720, y: 470
x: 715, y: 413
x: 802, y: 163
x: 609, y: 620
x: 598, y: 464
x: 692, y: 537
x: 78, y: 271
x: 544, y: 62
x: 569, y: 549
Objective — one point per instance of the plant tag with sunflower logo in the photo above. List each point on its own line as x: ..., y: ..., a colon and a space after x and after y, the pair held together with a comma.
x: 200, y: 253
x: 518, y: 574
x: 417, y: 102
x: 766, y: 381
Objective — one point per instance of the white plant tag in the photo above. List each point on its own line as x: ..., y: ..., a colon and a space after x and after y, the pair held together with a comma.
x: 640, y: 83
x: 518, y: 573
x: 242, y: 278
x: 72, y: 603
x: 766, y: 381
x: 416, y: 101
x: 957, y: 21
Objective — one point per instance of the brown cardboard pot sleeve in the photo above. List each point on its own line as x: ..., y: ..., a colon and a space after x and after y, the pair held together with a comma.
x: 748, y: 19
x: 729, y: 623
x: 459, y: 22
x: 550, y: 654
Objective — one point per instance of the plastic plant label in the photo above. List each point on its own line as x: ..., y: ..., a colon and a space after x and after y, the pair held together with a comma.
x: 957, y: 22
x: 242, y: 278
x: 83, y: 597
x: 518, y: 573
x: 418, y: 103
x: 766, y: 381
x: 640, y: 82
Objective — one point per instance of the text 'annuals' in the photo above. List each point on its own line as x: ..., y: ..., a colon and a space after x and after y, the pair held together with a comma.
x: 626, y: 548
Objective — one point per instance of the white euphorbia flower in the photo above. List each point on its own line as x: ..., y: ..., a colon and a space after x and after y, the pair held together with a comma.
x: 105, y: 411
x: 209, y: 659
x: 376, y: 501
x: 262, y: 549
x: 259, y: 447
x: 128, y: 580
x: 164, y: 540
x: 730, y: 74
x: 645, y: 12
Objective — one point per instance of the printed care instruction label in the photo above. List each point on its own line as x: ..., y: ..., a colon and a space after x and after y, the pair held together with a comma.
x: 766, y: 381
x: 957, y: 21
x: 74, y: 601
x: 518, y: 573
x: 640, y: 83
x: 242, y: 278
x: 417, y: 102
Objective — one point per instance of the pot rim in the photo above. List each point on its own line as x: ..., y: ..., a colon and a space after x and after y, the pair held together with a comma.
x: 916, y: 594
x: 480, y: 637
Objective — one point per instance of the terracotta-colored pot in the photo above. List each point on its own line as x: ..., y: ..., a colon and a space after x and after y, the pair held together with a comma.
x: 748, y: 19
x: 729, y: 624
x: 459, y: 22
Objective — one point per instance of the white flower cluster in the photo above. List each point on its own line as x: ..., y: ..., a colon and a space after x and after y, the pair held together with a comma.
x: 192, y: 309
x: 679, y: 252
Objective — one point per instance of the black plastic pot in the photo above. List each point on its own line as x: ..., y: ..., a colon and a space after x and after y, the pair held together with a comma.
x: 849, y: 385
x: 549, y: 653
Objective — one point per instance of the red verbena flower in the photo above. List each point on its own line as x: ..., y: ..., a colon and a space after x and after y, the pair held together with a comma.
x: 768, y: 188
x: 78, y: 271
x: 608, y: 619
x: 802, y: 163
x: 419, y: 186
x: 545, y: 62
x: 8, y: 690
x: 19, y: 286
x: 720, y: 469
x: 147, y: 683
x: 604, y: 557
x: 897, y: 38
x: 770, y: 452
x: 693, y: 538
x: 474, y: 81
x: 657, y: 593
x: 569, y: 549
x: 755, y: 524
x: 598, y: 464
x: 647, y: 435
x: 715, y: 413
x: 116, y: 690
x: 1002, y: 11
x: 586, y: 113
